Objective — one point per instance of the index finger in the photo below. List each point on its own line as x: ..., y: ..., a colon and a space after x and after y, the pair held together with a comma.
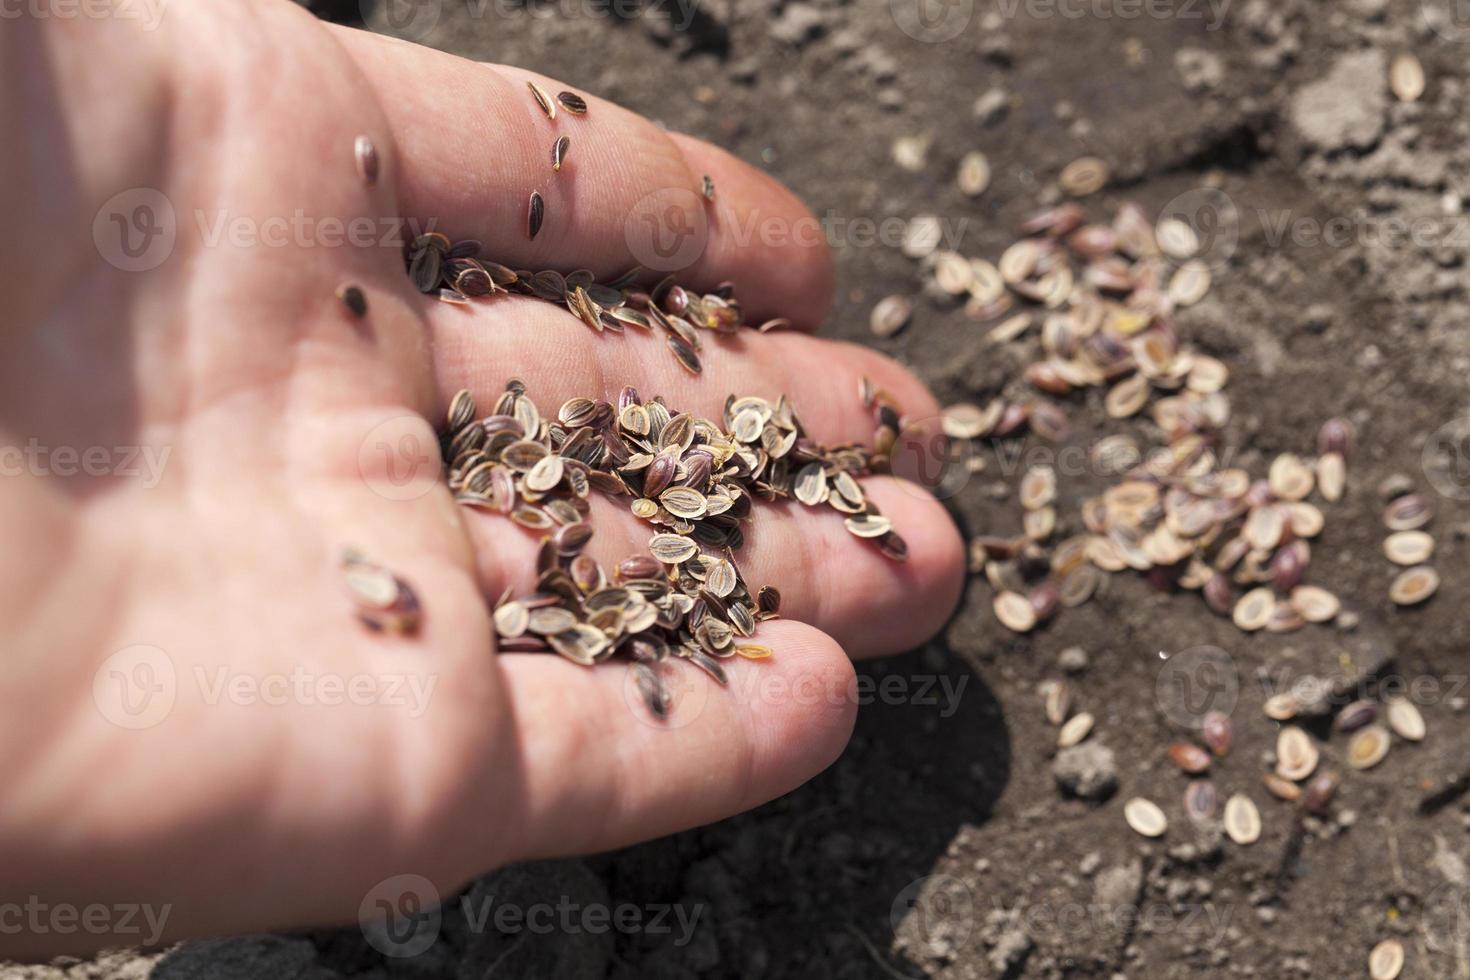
x: 472, y: 143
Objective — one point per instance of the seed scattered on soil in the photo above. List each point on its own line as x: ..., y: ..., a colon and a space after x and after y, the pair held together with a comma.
x: 1386, y: 960
x: 1242, y: 820
x: 1145, y: 817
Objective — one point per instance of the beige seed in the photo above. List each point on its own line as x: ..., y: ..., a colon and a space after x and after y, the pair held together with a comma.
x: 1296, y: 755
x: 542, y: 99
x: 974, y: 174
x: 1406, y: 78
x: 987, y: 286
x: 1331, y: 476
x: 546, y: 474
x: 1242, y: 820
x: 1290, y: 478
x: 953, y: 273
x: 671, y: 549
x: 512, y: 619
x: 1281, y: 707
x: 559, y: 152
x: 685, y: 502
x: 1386, y: 960
x: 1145, y: 817
x: 371, y: 586
x: 1077, y: 728
x: 1408, y: 547
x: 869, y: 525
x: 1190, y: 283
x: 922, y: 236
x: 1014, y: 611
x: 911, y: 152
x: 1414, y: 586
x: 1127, y: 398
x: 1368, y: 747
x: 752, y: 651
x: 1305, y: 520
x: 721, y: 578
x: 890, y: 315
x: 1405, y: 720
x: 1316, y: 605
x: 1038, y: 487
x: 810, y: 485
x: 1176, y: 238
x: 1254, y: 610
x: 1009, y: 329
x: 966, y: 421
x: 1084, y: 176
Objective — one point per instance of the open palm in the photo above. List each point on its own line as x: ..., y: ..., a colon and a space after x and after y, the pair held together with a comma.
x: 191, y: 717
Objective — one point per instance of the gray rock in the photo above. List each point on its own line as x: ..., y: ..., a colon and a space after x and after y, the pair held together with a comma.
x: 1200, y: 70
x: 1073, y: 660
x: 1119, y: 886
x: 1089, y: 770
x: 1345, y: 108
x: 797, y: 24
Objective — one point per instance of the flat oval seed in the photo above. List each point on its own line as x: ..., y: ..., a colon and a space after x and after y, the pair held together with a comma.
x: 512, y: 619
x: 1316, y: 605
x: 1408, y: 513
x: 1408, y: 547
x: 1406, y: 78
x: 1084, y: 176
x: 1200, y: 799
x: 1414, y: 586
x: 1405, y: 720
x: 890, y: 315
x: 367, y: 160
x: 1075, y: 730
x: 542, y: 99
x: 535, y: 214
x: 1254, y: 609
x: 572, y: 102
x: 1386, y: 960
x: 671, y: 549
x: 546, y: 474
x: 1242, y: 820
x: 1296, y: 755
x: 1145, y: 817
x: 1368, y: 747
x: 1218, y: 732
x: 1014, y: 611
x: 974, y: 174
x: 1281, y: 707
x: 1189, y: 758
x: 559, y: 152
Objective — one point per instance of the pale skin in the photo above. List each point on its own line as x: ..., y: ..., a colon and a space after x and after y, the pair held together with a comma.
x: 242, y: 813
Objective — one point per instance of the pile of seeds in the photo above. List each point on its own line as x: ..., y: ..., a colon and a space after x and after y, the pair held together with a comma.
x: 1105, y: 296
x: 1408, y: 544
x: 692, y: 479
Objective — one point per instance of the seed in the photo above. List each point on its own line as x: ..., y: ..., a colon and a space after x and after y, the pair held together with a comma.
x: 685, y: 502
x: 1254, y: 610
x: 384, y: 601
x: 1264, y: 527
x: 1354, y: 716
x: 535, y: 214
x: 1368, y: 747
x: 1189, y: 758
x: 1058, y: 701
x: 1406, y: 78
x: 1177, y: 239
x: 1414, y: 586
x: 671, y: 549
x: 1386, y: 960
x: 952, y: 273
x: 353, y: 299
x: 1296, y: 756
x: 1331, y: 476
x: 974, y: 174
x: 752, y: 651
x: 367, y: 160
x: 1145, y: 817
x: 684, y: 354
x: 1038, y: 487
x: 546, y: 620
x: 542, y: 99
x: 1126, y: 398
x: 559, y: 152
x: 1282, y: 789
x: 1190, y: 284
x: 1200, y: 799
x: 1408, y: 547
x: 1218, y: 732
x: 1014, y: 611
x: 1405, y: 720
x: 571, y: 102
x: 1319, y: 792
x: 869, y: 525
x: 966, y: 421
x: 890, y: 315
x: 1281, y: 707
x: 1077, y: 728
x: 545, y: 475
x: 1315, y: 605
x: 1242, y: 820
x: 1290, y: 478
x: 1084, y: 176
x: 1408, y: 513
x: 707, y: 187
x: 1305, y: 520
x: 512, y: 619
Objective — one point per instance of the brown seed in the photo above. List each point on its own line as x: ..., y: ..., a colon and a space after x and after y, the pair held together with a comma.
x: 1414, y: 586
x: 542, y: 99
x: 1200, y: 799
x: 535, y: 214
x: 1189, y: 758
x: 1386, y: 960
x: 559, y: 152
x: 572, y: 102
x: 1408, y: 513
x: 707, y: 187
x: 1368, y: 747
x: 353, y: 299
x: 1296, y: 755
x: 890, y: 315
x: 367, y: 160
x: 684, y: 354
x: 1355, y: 716
x: 1218, y: 732
x: 1145, y: 817
x: 1405, y: 720
x: 1242, y: 820
x: 1408, y: 547
x: 1319, y: 792
x: 1282, y: 789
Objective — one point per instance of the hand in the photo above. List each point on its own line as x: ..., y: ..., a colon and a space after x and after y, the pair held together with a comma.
x: 175, y: 630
